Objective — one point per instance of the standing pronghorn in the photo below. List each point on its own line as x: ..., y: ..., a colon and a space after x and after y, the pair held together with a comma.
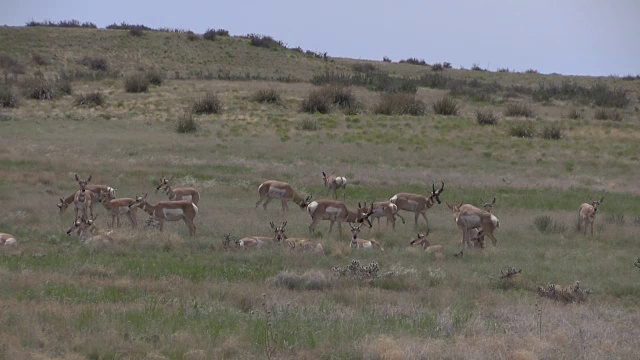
x: 7, y: 239
x: 176, y: 194
x: 95, y: 189
x: 334, y: 210
x: 333, y: 183
x: 357, y: 243
x: 587, y: 214
x: 169, y: 211
x: 382, y: 209
x: 469, y: 217
x: 272, y: 189
x: 417, y: 204
x: 83, y: 199
x: 117, y: 207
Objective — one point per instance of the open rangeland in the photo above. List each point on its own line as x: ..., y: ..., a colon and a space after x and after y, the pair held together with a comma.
x: 166, y: 295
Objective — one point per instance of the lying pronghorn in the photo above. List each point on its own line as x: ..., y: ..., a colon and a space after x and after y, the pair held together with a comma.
x: 272, y: 189
x: 260, y: 241
x: 418, y: 204
x: 422, y: 240
x: 295, y: 243
x: 587, y: 214
x: 88, y: 232
x: 7, y: 239
x: 169, y: 211
x: 95, y: 189
x: 333, y: 183
x: 382, y: 209
x: 334, y: 210
x: 176, y: 194
x: 469, y: 217
x: 357, y: 243
x: 117, y: 207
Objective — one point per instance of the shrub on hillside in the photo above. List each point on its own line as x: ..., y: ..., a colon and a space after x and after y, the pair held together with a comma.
x: 447, y: 106
x: 503, y: 70
x: 399, y: 104
x: 531, y: 71
x: 604, y: 114
x: 90, y: 99
x: 125, y: 26
x: 265, y: 41
x: 476, y: 67
x: 154, y: 77
x: 574, y: 114
x: 11, y: 64
x: 316, y: 101
x: 136, y: 83
x: 191, y: 36
x: 446, y: 65
x: 341, y: 96
x: 211, y: 34
x: 40, y: 88
x: 603, y: 96
x: 386, y: 59
x: 267, y: 96
x: 551, y: 131
x: 414, y: 61
x: 518, y: 109
x: 486, y: 117
x: 95, y: 63
x: 546, y: 224
x: 364, y: 67
x: 62, y: 23
x: 39, y: 59
x: 522, y: 129
x: 209, y: 103
x: 8, y: 95
x: 186, y: 123
x: 437, y: 67
x: 136, y: 32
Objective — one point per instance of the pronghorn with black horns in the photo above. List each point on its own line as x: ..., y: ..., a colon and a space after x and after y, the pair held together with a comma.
x: 418, y: 204
x: 272, y: 189
x: 169, y: 211
x: 333, y: 183
x: 382, y: 209
x: 177, y: 194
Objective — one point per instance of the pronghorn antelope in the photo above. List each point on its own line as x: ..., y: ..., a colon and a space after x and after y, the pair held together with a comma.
x: 260, y: 241
x: 295, y: 243
x: 7, y: 239
x: 418, y: 204
x: 333, y: 183
x: 488, y: 207
x: 587, y: 215
x: 84, y: 227
x: 428, y: 248
x: 95, y: 189
x: 334, y: 210
x: 380, y: 209
x: 272, y: 189
x: 469, y: 217
x: 175, y: 194
x: 83, y: 199
x: 117, y: 207
x: 169, y: 211
x: 357, y: 243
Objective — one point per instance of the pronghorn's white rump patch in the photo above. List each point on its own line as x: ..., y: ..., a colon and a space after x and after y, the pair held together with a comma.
x: 367, y: 245
x: 312, y: 207
x: 341, y: 181
x: 195, y: 208
x: 112, y: 192
x: 394, y: 208
x: 11, y: 242
x: 495, y: 221
x: 172, y: 214
x: 394, y: 199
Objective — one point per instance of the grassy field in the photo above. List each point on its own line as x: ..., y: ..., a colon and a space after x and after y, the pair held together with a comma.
x: 165, y: 295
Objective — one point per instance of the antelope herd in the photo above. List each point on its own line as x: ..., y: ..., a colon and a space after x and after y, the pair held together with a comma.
x: 475, y: 223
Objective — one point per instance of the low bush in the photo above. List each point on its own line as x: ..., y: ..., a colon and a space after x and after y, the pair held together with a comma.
x: 446, y: 65
x: 209, y: 103
x: 604, y: 114
x: 136, y: 32
x: 267, y: 96
x: 486, y: 117
x: 503, y: 70
x: 531, y: 71
x: 574, y: 114
x: 8, y: 95
x: 399, y: 104
x: 386, y: 59
x: 316, y: 101
x: 126, y: 26
x: 154, y: 77
x: 40, y: 88
x: 546, y: 224
x: 310, y: 280
x: 414, y: 61
x: 191, y: 36
x: 95, y: 63
x: 11, y: 64
x: 518, y: 109
x: 437, y: 67
x: 186, y: 123
x: 309, y: 124
x: 40, y: 59
x: 62, y: 23
x: 364, y: 67
x: 136, y: 83
x: 551, y: 130
x: 341, y: 96
x: 476, y: 67
x: 447, y: 106
x: 265, y: 41
x: 522, y: 129
x: 90, y: 99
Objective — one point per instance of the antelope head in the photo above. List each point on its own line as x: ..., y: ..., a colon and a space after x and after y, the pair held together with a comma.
x: 139, y: 200
x: 164, y: 183
x: 488, y: 207
x: 435, y: 194
x: 325, y: 179
x: 83, y: 183
x: 81, y: 225
x: 455, y: 209
x: 279, y: 231
x: 421, y: 240
x: 303, y: 205
x: 355, y: 230
x: 62, y: 205
x: 226, y: 241
x: 596, y: 204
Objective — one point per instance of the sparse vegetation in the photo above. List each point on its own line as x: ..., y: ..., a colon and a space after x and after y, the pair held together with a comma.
x: 211, y: 34
x: 186, y: 123
x: 265, y: 41
x: 447, y: 106
x: 40, y: 88
x: 136, y: 32
x: 414, y: 61
x: 11, y: 65
x: 8, y: 95
x: 62, y: 24
x: 551, y: 130
x: 546, y: 224
x: 209, y: 103
x: 90, y: 99
x: 191, y: 36
x: 270, y: 95
x: 437, y: 67
x: 476, y: 67
x: 311, y: 280
x: 316, y: 102
x: 136, y: 83
x: 386, y: 59
x: 486, y: 117
x: 522, y: 129
x: 155, y: 77
x: 604, y: 114
x: 531, y: 71
x: 95, y: 63
x: 399, y: 104
x: 40, y: 59
x: 519, y: 109
x: 574, y: 114
x: 125, y: 26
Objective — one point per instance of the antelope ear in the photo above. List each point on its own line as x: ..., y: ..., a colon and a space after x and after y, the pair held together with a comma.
x: 59, y: 205
x: 449, y: 205
x: 602, y: 199
x: 77, y: 178
x: 89, y: 178
x: 323, y: 174
x: 62, y: 200
x: 494, y: 201
x: 273, y: 226
x: 284, y: 224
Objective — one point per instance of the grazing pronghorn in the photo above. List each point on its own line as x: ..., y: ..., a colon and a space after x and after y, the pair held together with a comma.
x: 333, y: 183
x: 260, y: 241
x: 334, y: 210
x: 272, y: 189
x: 176, y: 194
x: 417, y: 204
x: 169, y: 211
x: 357, y: 243
x: 83, y: 199
x: 382, y: 209
x: 587, y: 215
x: 117, y: 207
x: 83, y: 227
x: 428, y: 248
x: 95, y: 189
x: 469, y: 217
x: 7, y: 239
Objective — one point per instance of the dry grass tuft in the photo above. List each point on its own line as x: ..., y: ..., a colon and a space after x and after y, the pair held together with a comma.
x: 136, y: 83
x: 399, y: 104
x: 90, y: 99
x: 310, y: 280
x: 209, y: 103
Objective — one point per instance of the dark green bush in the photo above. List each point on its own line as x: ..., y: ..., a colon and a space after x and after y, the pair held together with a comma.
x: 186, y: 123
x: 551, y: 131
x: 154, y: 77
x: 136, y: 83
x: 399, y: 104
x: 522, y: 129
x: 209, y: 103
x: 40, y: 88
x: 447, y: 106
x: 265, y: 41
x: 316, y: 101
x: 414, y: 61
x: 437, y: 67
